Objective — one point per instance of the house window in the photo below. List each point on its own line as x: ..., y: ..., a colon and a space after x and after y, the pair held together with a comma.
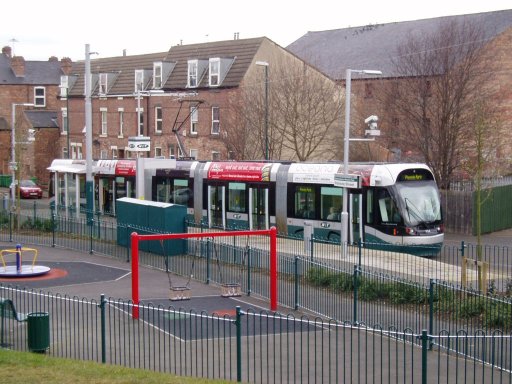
x: 192, y: 74
x: 368, y: 90
x: 157, y: 75
x: 103, y: 154
x: 103, y: 112
x: 76, y: 150
x: 172, y: 151
x: 140, y: 114
x: 194, y: 120
x: 121, y: 122
x: 215, y: 120
x: 114, y: 152
x: 214, y: 72
x: 65, y: 121
x: 193, y: 154
x: 158, y: 120
x: 64, y: 84
x: 64, y: 153
x: 40, y: 96
x: 139, y: 80
x: 102, y: 86
x: 215, y: 156
x: 158, y: 151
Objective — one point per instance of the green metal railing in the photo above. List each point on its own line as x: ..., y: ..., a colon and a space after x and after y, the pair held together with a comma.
x: 254, y: 346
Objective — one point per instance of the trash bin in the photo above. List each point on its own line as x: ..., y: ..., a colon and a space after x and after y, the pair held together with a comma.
x: 38, y: 328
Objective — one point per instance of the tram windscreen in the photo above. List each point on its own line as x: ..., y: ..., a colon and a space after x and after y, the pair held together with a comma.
x: 420, y: 202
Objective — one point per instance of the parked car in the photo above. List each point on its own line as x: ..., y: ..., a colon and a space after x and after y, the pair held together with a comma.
x: 29, y: 189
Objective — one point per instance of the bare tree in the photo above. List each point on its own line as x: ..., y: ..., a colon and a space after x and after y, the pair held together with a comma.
x: 303, y: 114
x: 441, y: 77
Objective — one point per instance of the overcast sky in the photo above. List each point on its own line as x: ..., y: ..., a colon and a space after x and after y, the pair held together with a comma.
x: 39, y: 29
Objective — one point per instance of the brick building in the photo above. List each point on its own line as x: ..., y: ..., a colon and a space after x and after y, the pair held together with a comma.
x: 35, y: 83
x: 375, y: 47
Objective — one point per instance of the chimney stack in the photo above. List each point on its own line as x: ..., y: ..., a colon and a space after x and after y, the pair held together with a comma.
x: 7, y: 51
x: 18, y: 66
x: 66, y: 65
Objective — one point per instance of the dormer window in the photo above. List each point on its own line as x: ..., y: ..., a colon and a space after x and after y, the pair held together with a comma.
x: 157, y: 75
x: 102, y: 84
x: 214, y: 72
x: 139, y: 80
x: 192, y: 73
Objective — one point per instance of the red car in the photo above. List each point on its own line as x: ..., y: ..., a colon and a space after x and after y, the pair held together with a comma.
x: 29, y: 189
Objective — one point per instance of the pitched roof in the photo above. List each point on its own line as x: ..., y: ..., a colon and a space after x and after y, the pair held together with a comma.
x: 372, y: 46
x: 36, y: 72
x: 122, y: 67
x: 42, y: 119
x: 239, y: 53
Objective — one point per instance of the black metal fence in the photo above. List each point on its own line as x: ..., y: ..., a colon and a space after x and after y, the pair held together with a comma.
x: 252, y: 346
x: 460, y: 298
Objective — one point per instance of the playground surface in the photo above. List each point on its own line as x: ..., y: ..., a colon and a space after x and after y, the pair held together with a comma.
x: 84, y: 275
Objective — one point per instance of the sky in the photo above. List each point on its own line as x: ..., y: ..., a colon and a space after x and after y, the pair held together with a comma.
x: 38, y: 29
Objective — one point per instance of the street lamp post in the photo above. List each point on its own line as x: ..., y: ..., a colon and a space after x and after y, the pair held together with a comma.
x: 89, y: 185
x: 13, y: 164
x: 344, y: 214
x: 265, y: 64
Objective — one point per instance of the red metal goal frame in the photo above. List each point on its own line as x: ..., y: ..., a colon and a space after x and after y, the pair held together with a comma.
x: 136, y: 238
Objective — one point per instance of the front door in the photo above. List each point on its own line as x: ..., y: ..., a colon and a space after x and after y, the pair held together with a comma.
x: 258, y: 203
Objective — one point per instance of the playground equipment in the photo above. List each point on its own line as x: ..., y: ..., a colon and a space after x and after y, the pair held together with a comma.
x: 136, y: 239
x: 21, y: 270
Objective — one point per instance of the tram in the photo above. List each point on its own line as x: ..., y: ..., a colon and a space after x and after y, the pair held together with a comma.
x: 396, y: 204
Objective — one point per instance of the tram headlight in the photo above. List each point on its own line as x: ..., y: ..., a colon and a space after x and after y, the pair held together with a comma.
x: 410, y: 231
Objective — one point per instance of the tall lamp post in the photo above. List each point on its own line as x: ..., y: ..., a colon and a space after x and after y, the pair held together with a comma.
x: 89, y: 185
x: 13, y: 164
x: 344, y: 214
x: 265, y: 64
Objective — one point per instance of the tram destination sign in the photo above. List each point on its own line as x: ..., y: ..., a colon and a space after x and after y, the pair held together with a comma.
x: 347, y: 181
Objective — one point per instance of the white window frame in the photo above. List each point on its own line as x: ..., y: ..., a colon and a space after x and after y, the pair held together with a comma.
x: 159, y: 122
x: 215, y: 155
x: 104, y: 127
x: 192, y: 73
x: 103, y: 154
x: 121, y: 122
x: 194, y: 119
x: 102, y: 84
x: 40, y: 99
x: 215, y: 121
x: 157, y: 75
x: 139, y: 80
x: 115, y: 153
x: 193, y: 153
x: 64, y: 152
x: 65, y: 121
x: 64, y: 86
x: 158, y: 151
x: 214, y: 72
x: 140, y: 127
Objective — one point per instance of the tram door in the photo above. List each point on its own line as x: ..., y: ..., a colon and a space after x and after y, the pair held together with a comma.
x: 258, y: 203
x: 356, y: 210
x: 216, y: 206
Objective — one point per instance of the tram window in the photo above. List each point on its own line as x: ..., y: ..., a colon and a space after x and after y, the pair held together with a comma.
x: 181, y: 194
x: 369, y: 206
x: 387, y: 208
x: 330, y: 203
x: 236, y: 193
x: 304, y: 205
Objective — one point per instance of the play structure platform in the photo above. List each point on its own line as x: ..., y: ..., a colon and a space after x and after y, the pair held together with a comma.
x: 20, y: 270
